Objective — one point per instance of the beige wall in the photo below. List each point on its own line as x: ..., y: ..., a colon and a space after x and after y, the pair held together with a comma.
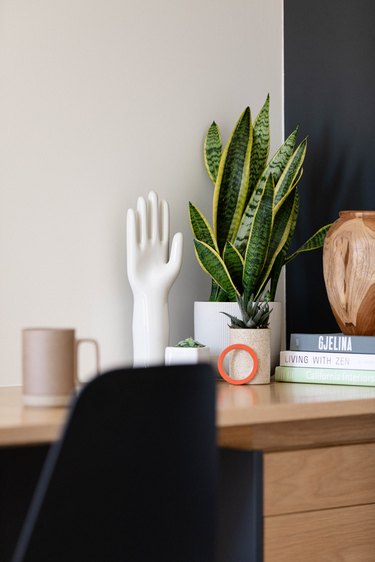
x: 102, y: 101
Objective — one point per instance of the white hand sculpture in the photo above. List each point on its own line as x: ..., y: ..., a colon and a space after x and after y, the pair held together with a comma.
x: 151, y: 274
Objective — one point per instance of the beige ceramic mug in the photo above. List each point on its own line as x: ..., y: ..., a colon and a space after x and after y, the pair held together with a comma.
x: 49, y: 365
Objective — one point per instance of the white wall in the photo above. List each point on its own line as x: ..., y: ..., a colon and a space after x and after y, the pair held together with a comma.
x: 100, y: 101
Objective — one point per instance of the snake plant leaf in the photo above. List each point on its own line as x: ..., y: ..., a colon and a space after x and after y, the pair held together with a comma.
x: 313, y: 243
x: 232, y: 181
x: 275, y: 167
x: 234, y: 262
x: 261, y: 146
x: 244, y: 228
x: 291, y: 171
x: 212, y: 263
x: 278, y: 162
x: 282, y: 223
x: 259, y: 238
x: 280, y: 259
x: 297, y: 179
x: 212, y: 151
x: 218, y: 295
x: 200, y: 227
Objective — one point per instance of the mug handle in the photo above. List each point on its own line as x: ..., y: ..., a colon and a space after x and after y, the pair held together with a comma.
x: 96, y: 346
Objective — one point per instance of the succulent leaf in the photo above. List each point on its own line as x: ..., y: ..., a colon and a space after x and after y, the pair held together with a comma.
x: 189, y: 342
x: 254, y: 313
x: 235, y: 322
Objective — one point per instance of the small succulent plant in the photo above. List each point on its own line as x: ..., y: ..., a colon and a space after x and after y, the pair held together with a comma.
x: 189, y: 342
x: 255, y: 314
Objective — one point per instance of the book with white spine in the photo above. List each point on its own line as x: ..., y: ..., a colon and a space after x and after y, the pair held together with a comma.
x: 327, y: 360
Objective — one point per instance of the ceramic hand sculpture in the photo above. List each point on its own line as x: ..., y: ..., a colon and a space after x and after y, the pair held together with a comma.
x: 151, y: 273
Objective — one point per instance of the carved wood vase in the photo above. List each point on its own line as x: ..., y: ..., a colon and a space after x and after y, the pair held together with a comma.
x: 349, y: 271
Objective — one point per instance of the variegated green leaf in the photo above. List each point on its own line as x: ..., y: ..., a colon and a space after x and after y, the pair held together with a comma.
x: 313, y: 243
x: 259, y: 238
x: 290, y: 173
x: 218, y: 295
x: 212, y: 151
x: 243, y: 232
x: 278, y: 162
x: 297, y: 178
x: 200, y: 227
x: 212, y: 264
x: 261, y: 146
x: 234, y: 262
x: 282, y: 223
x: 280, y: 259
x: 232, y: 181
x: 276, y: 167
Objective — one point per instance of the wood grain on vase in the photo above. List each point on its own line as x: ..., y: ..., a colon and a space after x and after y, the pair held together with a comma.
x: 349, y: 271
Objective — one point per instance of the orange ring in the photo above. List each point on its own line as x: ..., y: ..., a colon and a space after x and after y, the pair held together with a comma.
x: 225, y: 375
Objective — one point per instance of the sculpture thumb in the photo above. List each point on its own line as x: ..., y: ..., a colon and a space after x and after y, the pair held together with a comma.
x: 175, y: 259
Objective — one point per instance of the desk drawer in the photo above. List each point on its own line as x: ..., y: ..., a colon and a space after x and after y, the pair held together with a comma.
x: 312, y: 479
x: 332, y: 535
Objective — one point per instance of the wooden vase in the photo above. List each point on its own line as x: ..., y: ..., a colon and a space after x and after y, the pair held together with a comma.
x: 349, y: 271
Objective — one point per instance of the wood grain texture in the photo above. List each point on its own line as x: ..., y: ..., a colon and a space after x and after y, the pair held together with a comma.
x: 303, y: 434
x: 314, y: 479
x: 349, y: 271
x: 333, y: 535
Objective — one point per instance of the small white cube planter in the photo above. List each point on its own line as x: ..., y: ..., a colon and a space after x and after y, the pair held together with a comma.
x: 186, y: 355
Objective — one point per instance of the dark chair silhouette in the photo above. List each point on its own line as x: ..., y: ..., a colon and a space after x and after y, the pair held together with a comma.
x: 134, y: 476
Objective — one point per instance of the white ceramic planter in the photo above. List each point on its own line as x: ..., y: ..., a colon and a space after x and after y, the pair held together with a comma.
x: 241, y: 363
x: 211, y: 327
x: 186, y: 355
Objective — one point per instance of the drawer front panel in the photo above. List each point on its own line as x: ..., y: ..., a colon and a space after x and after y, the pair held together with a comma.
x: 333, y: 535
x: 323, y: 478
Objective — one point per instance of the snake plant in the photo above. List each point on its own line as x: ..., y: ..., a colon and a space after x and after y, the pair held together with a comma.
x: 255, y: 208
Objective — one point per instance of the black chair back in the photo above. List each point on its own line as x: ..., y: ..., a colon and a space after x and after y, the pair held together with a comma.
x: 134, y: 476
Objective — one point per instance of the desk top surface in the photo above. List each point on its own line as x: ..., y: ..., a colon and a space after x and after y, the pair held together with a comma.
x: 236, y: 406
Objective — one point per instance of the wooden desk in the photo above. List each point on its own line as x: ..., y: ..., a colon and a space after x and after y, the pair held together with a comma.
x: 317, y: 444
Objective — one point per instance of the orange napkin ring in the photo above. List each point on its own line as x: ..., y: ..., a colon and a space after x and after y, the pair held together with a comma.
x: 222, y: 356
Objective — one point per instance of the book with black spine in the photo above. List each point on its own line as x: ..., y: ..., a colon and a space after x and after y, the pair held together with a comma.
x: 332, y: 343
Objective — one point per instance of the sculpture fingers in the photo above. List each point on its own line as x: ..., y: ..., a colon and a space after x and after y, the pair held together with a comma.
x: 164, y: 214
x: 131, y: 243
x: 142, y: 220
x: 153, y: 205
x: 131, y: 228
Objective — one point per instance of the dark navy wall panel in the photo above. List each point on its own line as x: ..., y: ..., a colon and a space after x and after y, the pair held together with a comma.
x: 330, y: 93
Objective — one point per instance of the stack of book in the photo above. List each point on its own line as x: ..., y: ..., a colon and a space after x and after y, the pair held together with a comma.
x: 328, y: 359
